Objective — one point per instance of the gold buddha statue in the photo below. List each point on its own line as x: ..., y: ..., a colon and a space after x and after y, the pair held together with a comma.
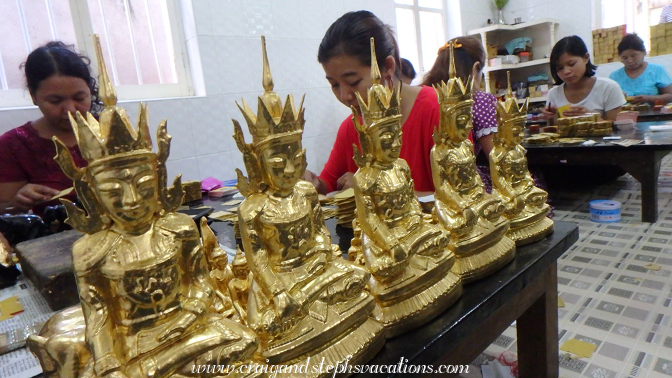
x: 526, y: 206
x: 220, y: 271
x: 408, y: 257
x: 462, y: 206
x: 146, y: 296
x: 305, y: 300
x: 239, y: 285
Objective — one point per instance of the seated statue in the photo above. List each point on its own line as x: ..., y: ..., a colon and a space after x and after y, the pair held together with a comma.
x: 239, y: 285
x: 146, y: 296
x: 525, y: 204
x: 304, y: 301
x: 462, y: 206
x: 220, y: 272
x: 408, y: 257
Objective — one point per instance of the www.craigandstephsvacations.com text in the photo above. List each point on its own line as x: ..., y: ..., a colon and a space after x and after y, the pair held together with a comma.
x: 321, y: 368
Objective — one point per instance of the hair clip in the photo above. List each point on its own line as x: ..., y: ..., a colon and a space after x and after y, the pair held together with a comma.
x: 454, y: 43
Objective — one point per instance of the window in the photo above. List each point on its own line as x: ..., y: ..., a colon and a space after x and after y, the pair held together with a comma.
x: 420, y: 31
x: 142, y: 43
x: 637, y: 15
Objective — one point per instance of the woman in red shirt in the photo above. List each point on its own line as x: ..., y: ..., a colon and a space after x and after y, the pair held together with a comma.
x: 59, y: 82
x: 345, y: 55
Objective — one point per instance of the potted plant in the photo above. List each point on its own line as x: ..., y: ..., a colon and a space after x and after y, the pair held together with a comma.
x: 500, y: 4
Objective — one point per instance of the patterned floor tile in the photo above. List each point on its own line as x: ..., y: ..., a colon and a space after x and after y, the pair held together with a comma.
x: 612, y: 299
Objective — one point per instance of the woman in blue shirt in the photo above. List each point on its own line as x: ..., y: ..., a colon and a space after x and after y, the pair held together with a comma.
x: 641, y: 81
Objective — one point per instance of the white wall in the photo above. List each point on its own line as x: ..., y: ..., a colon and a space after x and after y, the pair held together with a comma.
x: 574, y: 15
x: 227, y: 36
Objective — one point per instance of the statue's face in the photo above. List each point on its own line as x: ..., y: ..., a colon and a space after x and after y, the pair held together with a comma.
x: 284, y: 163
x: 460, y: 116
x: 386, y: 143
x: 129, y: 195
x: 220, y: 262
x: 240, y: 271
x: 516, y: 133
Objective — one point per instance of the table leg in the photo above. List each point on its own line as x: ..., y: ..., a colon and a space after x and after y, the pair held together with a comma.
x: 646, y: 169
x: 537, y: 331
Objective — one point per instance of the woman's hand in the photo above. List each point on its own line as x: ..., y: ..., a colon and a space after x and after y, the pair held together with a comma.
x: 316, y: 181
x: 549, y: 112
x: 30, y: 195
x: 575, y: 110
x: 641, y: 99
x: 345, y: 182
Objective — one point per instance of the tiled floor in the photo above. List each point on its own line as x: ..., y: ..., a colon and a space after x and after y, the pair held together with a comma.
x: 611, y: 299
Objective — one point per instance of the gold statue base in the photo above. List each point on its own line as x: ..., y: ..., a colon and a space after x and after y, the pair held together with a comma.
x: 355, y: 348
x: 529, y: 228
x: 480, y: 254
x: 362, y: 337
x: 426, y: 289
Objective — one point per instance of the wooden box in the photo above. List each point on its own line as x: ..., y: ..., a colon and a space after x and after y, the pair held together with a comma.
x: 47, y: 263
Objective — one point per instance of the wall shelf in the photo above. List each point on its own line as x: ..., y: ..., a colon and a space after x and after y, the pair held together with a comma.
x: 535, y: 62
x: 534, y: 99
x: 523, y: 25
x: 541, y: 31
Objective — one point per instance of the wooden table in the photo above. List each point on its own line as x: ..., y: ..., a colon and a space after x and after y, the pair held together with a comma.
x: 524, y: 291
x: 642, y: 161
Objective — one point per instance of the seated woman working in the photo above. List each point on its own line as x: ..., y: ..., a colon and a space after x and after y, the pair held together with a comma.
x: 578, y: 92
x: 641, y: 81
x: 59, y: 82
x: 576, y: 84
x: 345, y: 56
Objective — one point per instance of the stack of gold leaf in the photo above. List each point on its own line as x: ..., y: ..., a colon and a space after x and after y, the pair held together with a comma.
x: 571, y: 140
x: 329, y: 211
x: 538, y: 139
x: 192, y: 191
x: 345, y: 213
x: 582, y: 126
x: 602, y: 128
x: 636, y: 107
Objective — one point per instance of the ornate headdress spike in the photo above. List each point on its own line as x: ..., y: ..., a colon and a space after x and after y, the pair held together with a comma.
x: 454, y: 91
x: 106, y: 91
x: 451, y: 67
x: 383, y: 102
x: 509, y: 92
x: 509, y: 109
x: 272, y: 120
x: 108, y: 139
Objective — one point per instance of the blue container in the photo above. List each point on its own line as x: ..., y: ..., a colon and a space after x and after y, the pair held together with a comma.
x: 605, y: 211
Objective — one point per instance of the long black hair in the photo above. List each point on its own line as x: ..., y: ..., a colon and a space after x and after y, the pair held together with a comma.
x: 351, y: 34
x: 58, y: 58
x: 572, y: 45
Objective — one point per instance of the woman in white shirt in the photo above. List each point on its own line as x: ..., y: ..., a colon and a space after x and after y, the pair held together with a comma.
x: 578, y: 92
x: 577, y: 86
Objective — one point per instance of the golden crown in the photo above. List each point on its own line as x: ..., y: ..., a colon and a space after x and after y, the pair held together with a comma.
x: 110, y: 139
x: 383, y: 102
x: 272, y: 120
x: 508, y: 109
x: 239, y: 261
x: 382, y: 109
x: 454, y: 91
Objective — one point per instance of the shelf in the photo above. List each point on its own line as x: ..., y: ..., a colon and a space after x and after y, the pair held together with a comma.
x: 523, y: 25
x: 533, y: 99
x: 535, y: 62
